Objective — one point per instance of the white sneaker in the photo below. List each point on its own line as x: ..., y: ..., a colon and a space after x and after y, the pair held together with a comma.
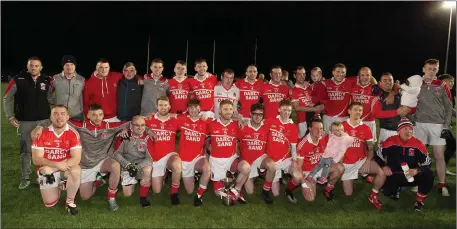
x: 450, y: 173
x: 414, y: 189
x: 445, y: 191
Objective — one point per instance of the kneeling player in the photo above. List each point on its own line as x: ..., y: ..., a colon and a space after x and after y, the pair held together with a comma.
x: 133, y: 154
x: 224, y: 156
x: 57, y: 153
x: 191, y: 144
x: 253, y: 141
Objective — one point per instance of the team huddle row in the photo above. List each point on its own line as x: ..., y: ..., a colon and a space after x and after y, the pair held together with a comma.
x: 217, y: 137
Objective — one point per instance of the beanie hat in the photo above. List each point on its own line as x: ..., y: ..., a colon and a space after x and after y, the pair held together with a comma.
x: 68, y: 59
x: 404, y: 122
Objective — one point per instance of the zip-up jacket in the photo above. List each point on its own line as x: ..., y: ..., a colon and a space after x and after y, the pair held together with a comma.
x: 129, y: 94
x: 68, y: 92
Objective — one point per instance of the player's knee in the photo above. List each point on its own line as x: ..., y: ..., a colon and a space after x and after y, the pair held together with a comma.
x: 176, y: 166
x: 249, y: 191
x: 244, y: 167
x: 339, y: 168
x: 115, y: 166
x: 348, y: 192
x: 51, y: 203
x: 271, y: 166
x: 147, y: 170
x: 127, y: 193
x: 85, y: 196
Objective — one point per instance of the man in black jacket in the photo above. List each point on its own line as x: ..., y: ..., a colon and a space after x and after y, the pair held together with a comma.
x: 403, y: 148
x: 129, y: 93
x: 30, y: 91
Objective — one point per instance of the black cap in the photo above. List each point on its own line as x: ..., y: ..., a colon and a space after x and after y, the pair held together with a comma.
x: 68, y: 59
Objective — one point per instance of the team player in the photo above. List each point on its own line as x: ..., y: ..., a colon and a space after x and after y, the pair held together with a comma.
x: 226, y: 90
x: 57, y: 153
x: 191, y: 144
x: 310, y: 150
x: 134, y: 156
x: 302, y: 100
x: 250, y: 88
x: 253, y: 142
x: 164, y: 154
x: 359, y: 156
x: 155, y: 86
x: 179, y: 89
x: 101, y: 88
x: 282, y: 149
x: 363, y: 93
x: 273, y: 92
x: 97, y: 138
x: 202, y: 87
x: 224, y: 152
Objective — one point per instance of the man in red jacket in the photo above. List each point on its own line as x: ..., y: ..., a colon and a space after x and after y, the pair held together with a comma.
x: 101, y: 88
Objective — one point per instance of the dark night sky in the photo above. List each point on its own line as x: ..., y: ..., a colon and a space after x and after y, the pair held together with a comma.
x: 386, y: 36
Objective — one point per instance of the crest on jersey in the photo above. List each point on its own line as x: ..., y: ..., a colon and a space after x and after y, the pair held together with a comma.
x: 162, y: 125
x: 43, y: 86
x: 104, y: 135
x: 224, y: 130
x: 411, y: 152
x: 437, y: 91
x: 141, y: 147
x: 179, y: 86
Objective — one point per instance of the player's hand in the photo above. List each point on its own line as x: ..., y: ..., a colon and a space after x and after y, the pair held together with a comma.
x: 243, y: 122
x: 62, y: 166
x: 36, y: 133
x: 13, y: 121
x: 307, y: 84
x: 403, y: 111
x: 152, y: 134
x: 387, y: 170
x: 173, y: 115
x: 133, y: 169
x: 411, y: 172
x: 203, y: 117
x: 124, y: 134
x: 390, y: 99
x: 445, y: 133
x: 365, y: 167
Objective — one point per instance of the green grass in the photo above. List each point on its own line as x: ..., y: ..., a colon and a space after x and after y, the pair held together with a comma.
x: 24, y: 208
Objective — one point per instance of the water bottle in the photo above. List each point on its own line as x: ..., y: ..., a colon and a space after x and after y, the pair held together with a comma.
x: 405, y: 168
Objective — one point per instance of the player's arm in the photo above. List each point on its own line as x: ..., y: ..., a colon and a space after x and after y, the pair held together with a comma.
x: 447, y: 102
x: 118, y: 152
x: 75, y: 156
x: 8, y: 102
x: 51, y: 95
x: 38, y: 155
x: 381, y: 154
x: 378, y: 112
x: 297, y: 107
x: 370, y: 150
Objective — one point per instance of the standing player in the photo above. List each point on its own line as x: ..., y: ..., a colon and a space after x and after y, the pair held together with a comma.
x: 224, y: 152
x: 359, y: 156
x: 282, y: 149
x: 191, y: 145
x: 249, y: 91
x: 164, y: 154
x: 133, y: 154
x: 155, y: 86
x: 434, y: 115
x: 129, y: 93
x: 226, y: 90
x: 253, y: 142
x: 101, y: 88
x: 310, y: 150
x: 202, y: 86
x: 273, y: 92
x: 179, y: 89
x: 57, y: 153
x: 302, y: 100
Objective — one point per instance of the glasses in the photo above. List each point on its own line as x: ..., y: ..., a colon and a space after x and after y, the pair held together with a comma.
x: 139, y: 126
x: 257, y: 114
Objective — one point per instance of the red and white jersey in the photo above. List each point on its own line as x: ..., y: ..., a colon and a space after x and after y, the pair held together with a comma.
x: 361, y: 134
x: 204, y: 91
x: 362, y: 94
x: 249, y: 95
x: 338, y: 96
x: 223, y: 138
x: 57, y: 147
x: 280, y: 137
x: 272, y: 95
x: 193, y: 135
x: 179, y: 95
x: 253, y: 142
x: 319, y: 92
x: 302, y: 95
x: 165, y: 139
x: 221, y: 93
x: 311, y: 153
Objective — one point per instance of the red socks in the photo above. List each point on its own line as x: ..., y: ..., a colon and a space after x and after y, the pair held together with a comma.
x: 267, y: 185
x: 329, y: 187
x: 111, y: 193
x: 144, y: 189
x: 201, y: 190
x: 292, y: 185
x: 174, y: 188
x: 218, y: 185
x: 420, y: 197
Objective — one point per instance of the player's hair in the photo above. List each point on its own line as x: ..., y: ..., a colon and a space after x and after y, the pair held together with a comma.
x: 316, y: 69
x: 445, y: 77
x: 102, y: 61
x: 257, y: 106
x: 251, y: 65
x: 386, y: 74
x: 228, y: 71
x: 316, y: 120
x: 61, y: 106
x: 181, y: 62
x: 285, y: 102
x: 363, y: 68
x: 157, y: 60
x: 355, y: 104
x: 432, y: 62
x: 94, y: 107
x: 34, y: 58
x: 226, y: 101
x: 199, y: 61
x: 163, y: 98
x: 339, y: 65
x: 137, y: 117
x: 193, y: 102
x: 336, y: 124
x: 128, y: 65
x: 285, y: 73
x: 298, y: 68
x: 275, y: 66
